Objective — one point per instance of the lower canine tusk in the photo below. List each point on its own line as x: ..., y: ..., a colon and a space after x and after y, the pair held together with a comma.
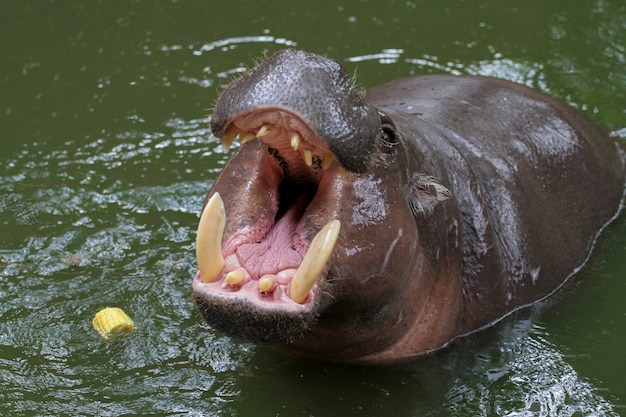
x: 209, y: 239
x: 319, y: 252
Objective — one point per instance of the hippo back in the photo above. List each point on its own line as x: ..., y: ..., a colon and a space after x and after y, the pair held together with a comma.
x: 535, y: 182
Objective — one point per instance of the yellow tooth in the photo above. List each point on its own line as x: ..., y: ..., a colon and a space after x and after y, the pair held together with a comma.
x: 343, y: 172
x: 314, y: 261
x: 235, y: 278
x: 328, y: 160
x: 308, y: 157
x: 295, y: 141
x: 229, y: 136
x: 263, y: 131
x: 247, y: 138
x: 209, y: 239
x: 266, y: 283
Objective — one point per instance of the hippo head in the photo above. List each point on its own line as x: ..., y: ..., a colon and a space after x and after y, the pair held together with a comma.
x: 309, y: 237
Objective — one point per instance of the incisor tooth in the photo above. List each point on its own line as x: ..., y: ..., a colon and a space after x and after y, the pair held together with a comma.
x: 314, y: 261
x: 209, y: 239
x: 295, y: 141
x: 308, y: 157
x: 229, y: 136
x: 263, y: 131
x: 247, y: 138
x: 235, y: 278
x: 266, y: 283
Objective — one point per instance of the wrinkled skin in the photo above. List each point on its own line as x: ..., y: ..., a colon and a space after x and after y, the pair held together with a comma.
x: 461, y: 199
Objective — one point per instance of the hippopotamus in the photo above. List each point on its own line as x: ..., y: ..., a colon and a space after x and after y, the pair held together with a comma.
x: 380, y: 226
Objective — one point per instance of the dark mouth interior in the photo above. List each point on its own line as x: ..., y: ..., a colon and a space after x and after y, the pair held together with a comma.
x: 299, y: 183
x: 297, y: 180
x: 291, y: 193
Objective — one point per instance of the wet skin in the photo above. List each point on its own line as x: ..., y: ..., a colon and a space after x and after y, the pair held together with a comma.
x: 458, y: 199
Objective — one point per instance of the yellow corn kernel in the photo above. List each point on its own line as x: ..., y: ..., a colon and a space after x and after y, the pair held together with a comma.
x: 111, y: 322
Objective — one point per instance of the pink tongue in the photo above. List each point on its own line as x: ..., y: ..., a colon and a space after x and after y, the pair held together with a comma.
x: 276, y: 251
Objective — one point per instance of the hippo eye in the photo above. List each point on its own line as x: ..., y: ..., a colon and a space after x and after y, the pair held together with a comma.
x: 389, y: 136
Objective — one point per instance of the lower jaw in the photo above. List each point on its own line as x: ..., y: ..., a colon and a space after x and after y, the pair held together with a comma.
x: 252, y: 322
x: 216, y: 274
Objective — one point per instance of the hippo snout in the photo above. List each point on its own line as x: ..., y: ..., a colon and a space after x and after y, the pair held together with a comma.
x: 307, y: 89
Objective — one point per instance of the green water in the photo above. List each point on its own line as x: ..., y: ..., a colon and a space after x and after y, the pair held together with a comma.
x: 105, y: 158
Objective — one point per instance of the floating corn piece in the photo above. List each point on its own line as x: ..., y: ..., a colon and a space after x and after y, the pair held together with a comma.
x: 112, y: 322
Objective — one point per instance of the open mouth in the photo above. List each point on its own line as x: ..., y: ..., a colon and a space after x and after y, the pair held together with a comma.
x: 273, y: 261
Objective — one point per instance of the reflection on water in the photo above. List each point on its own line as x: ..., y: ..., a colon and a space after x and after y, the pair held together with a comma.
x: 529, y: 74
x: 526, y: 375
x: 230, y: 43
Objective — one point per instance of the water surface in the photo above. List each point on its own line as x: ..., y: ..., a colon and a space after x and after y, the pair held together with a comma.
x: 105, y: 158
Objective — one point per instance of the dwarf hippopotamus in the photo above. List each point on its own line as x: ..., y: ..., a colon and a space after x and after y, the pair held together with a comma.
x: 380, y: 226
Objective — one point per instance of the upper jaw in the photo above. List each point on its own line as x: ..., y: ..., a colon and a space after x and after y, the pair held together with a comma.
x: 302, y: 153
x: 317, y: 90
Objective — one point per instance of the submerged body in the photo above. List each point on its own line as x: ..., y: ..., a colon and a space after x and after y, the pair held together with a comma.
x: 378, y: 228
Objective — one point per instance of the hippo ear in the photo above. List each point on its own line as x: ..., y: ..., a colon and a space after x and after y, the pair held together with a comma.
x: 424, y: 193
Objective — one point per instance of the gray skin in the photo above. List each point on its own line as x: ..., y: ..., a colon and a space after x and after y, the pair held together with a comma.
x: 465, y: 198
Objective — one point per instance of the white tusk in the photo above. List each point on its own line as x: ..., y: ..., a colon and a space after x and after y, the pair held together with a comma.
x: 319, y: 252
x: 209, y: 239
